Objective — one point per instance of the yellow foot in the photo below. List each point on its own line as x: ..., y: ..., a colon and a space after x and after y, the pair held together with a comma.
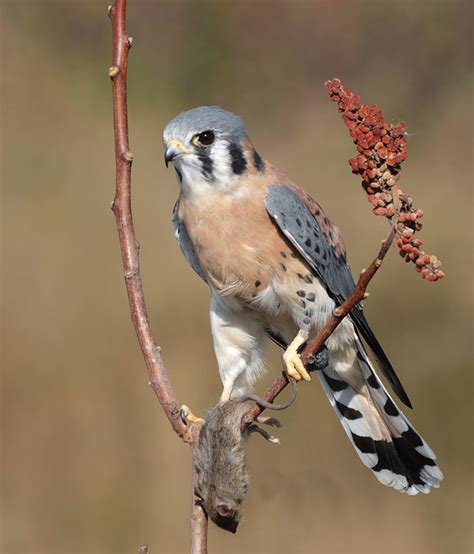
x: 188, y: 416
x: 294, y: 365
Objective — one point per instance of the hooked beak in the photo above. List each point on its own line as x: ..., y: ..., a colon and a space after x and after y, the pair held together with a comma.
x: 173, y: 150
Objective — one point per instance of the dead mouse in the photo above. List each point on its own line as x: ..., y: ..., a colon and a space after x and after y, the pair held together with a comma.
x: 222, y: 479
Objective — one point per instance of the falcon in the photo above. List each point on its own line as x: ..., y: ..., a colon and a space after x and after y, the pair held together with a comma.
x: 276, y: 267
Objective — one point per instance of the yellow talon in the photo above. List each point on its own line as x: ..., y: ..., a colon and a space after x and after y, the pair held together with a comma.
x: 189, y: 417
x: 294, y: 365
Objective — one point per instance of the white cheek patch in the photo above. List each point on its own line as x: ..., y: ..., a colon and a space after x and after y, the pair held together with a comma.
x: 223, y: 175
x: 192, y: 175
x: 199, y: 177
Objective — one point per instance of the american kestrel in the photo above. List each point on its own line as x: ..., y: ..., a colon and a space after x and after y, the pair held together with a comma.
x: 276, y: 266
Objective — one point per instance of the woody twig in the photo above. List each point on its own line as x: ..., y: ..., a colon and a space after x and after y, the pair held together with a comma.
x: 129, y: 248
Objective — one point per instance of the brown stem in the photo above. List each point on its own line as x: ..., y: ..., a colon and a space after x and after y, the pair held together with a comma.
x: 198, y: 523
x: 338, y: 315
x: 129, y: 248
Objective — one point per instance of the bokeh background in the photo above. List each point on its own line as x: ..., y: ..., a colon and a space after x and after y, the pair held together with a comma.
x: 89, y: 463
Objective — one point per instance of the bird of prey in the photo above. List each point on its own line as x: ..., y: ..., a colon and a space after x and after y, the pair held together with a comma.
x: 276, y: 266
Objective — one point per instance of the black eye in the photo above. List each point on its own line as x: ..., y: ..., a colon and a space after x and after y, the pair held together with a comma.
x: 206, y: 138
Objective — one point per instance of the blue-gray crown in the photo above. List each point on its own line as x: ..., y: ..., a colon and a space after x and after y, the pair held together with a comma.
x: 206, y: 118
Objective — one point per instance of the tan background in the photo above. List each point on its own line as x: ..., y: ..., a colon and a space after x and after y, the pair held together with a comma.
x: 89, y: 464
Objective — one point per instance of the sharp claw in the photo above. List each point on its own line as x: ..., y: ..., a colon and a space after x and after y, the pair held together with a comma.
x: 188, y: 417
x: 295, y: 367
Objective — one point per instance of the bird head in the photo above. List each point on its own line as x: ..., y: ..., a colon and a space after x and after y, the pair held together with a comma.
x: 208, y: 146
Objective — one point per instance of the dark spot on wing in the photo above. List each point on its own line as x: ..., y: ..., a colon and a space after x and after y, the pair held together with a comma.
x: 282, y: 254
x: 301, y: 293
x: 283, y: 266
x: 258, y: 283
x: 311, y: 297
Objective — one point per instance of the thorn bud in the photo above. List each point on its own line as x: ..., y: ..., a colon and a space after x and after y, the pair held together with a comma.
x: 113, y: 71
x: 366, y: 295
x: 128, y: 156
x: 337, y: 312
x: 129, y: 41
x: 378, y: 262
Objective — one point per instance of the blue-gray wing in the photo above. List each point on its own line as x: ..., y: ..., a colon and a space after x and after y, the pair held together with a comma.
x: 313, y: 239
x: 185, y: 243
x: 319, y: 243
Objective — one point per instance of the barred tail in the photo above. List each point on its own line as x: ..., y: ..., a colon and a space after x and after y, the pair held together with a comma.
x: 382, y: 436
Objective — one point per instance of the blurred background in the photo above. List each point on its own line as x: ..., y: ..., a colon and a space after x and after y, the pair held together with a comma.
x: 89, y: 463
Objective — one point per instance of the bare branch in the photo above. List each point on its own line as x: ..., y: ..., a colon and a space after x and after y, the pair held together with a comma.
x: 121, y: 207
x: 129, y: 248
x: 198, y: 523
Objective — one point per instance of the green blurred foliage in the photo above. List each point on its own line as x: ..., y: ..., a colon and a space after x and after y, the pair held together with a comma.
x: 89, y: 464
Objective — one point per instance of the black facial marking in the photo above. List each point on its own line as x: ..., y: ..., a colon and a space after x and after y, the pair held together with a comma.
x: 300, y: 276
x: 257, y: 283
x: 207, y: 163
x: 301, y: 293
x: 179, y: 174
x: 257, y: 161
x: 239, y: 163
x: 311, y: 297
